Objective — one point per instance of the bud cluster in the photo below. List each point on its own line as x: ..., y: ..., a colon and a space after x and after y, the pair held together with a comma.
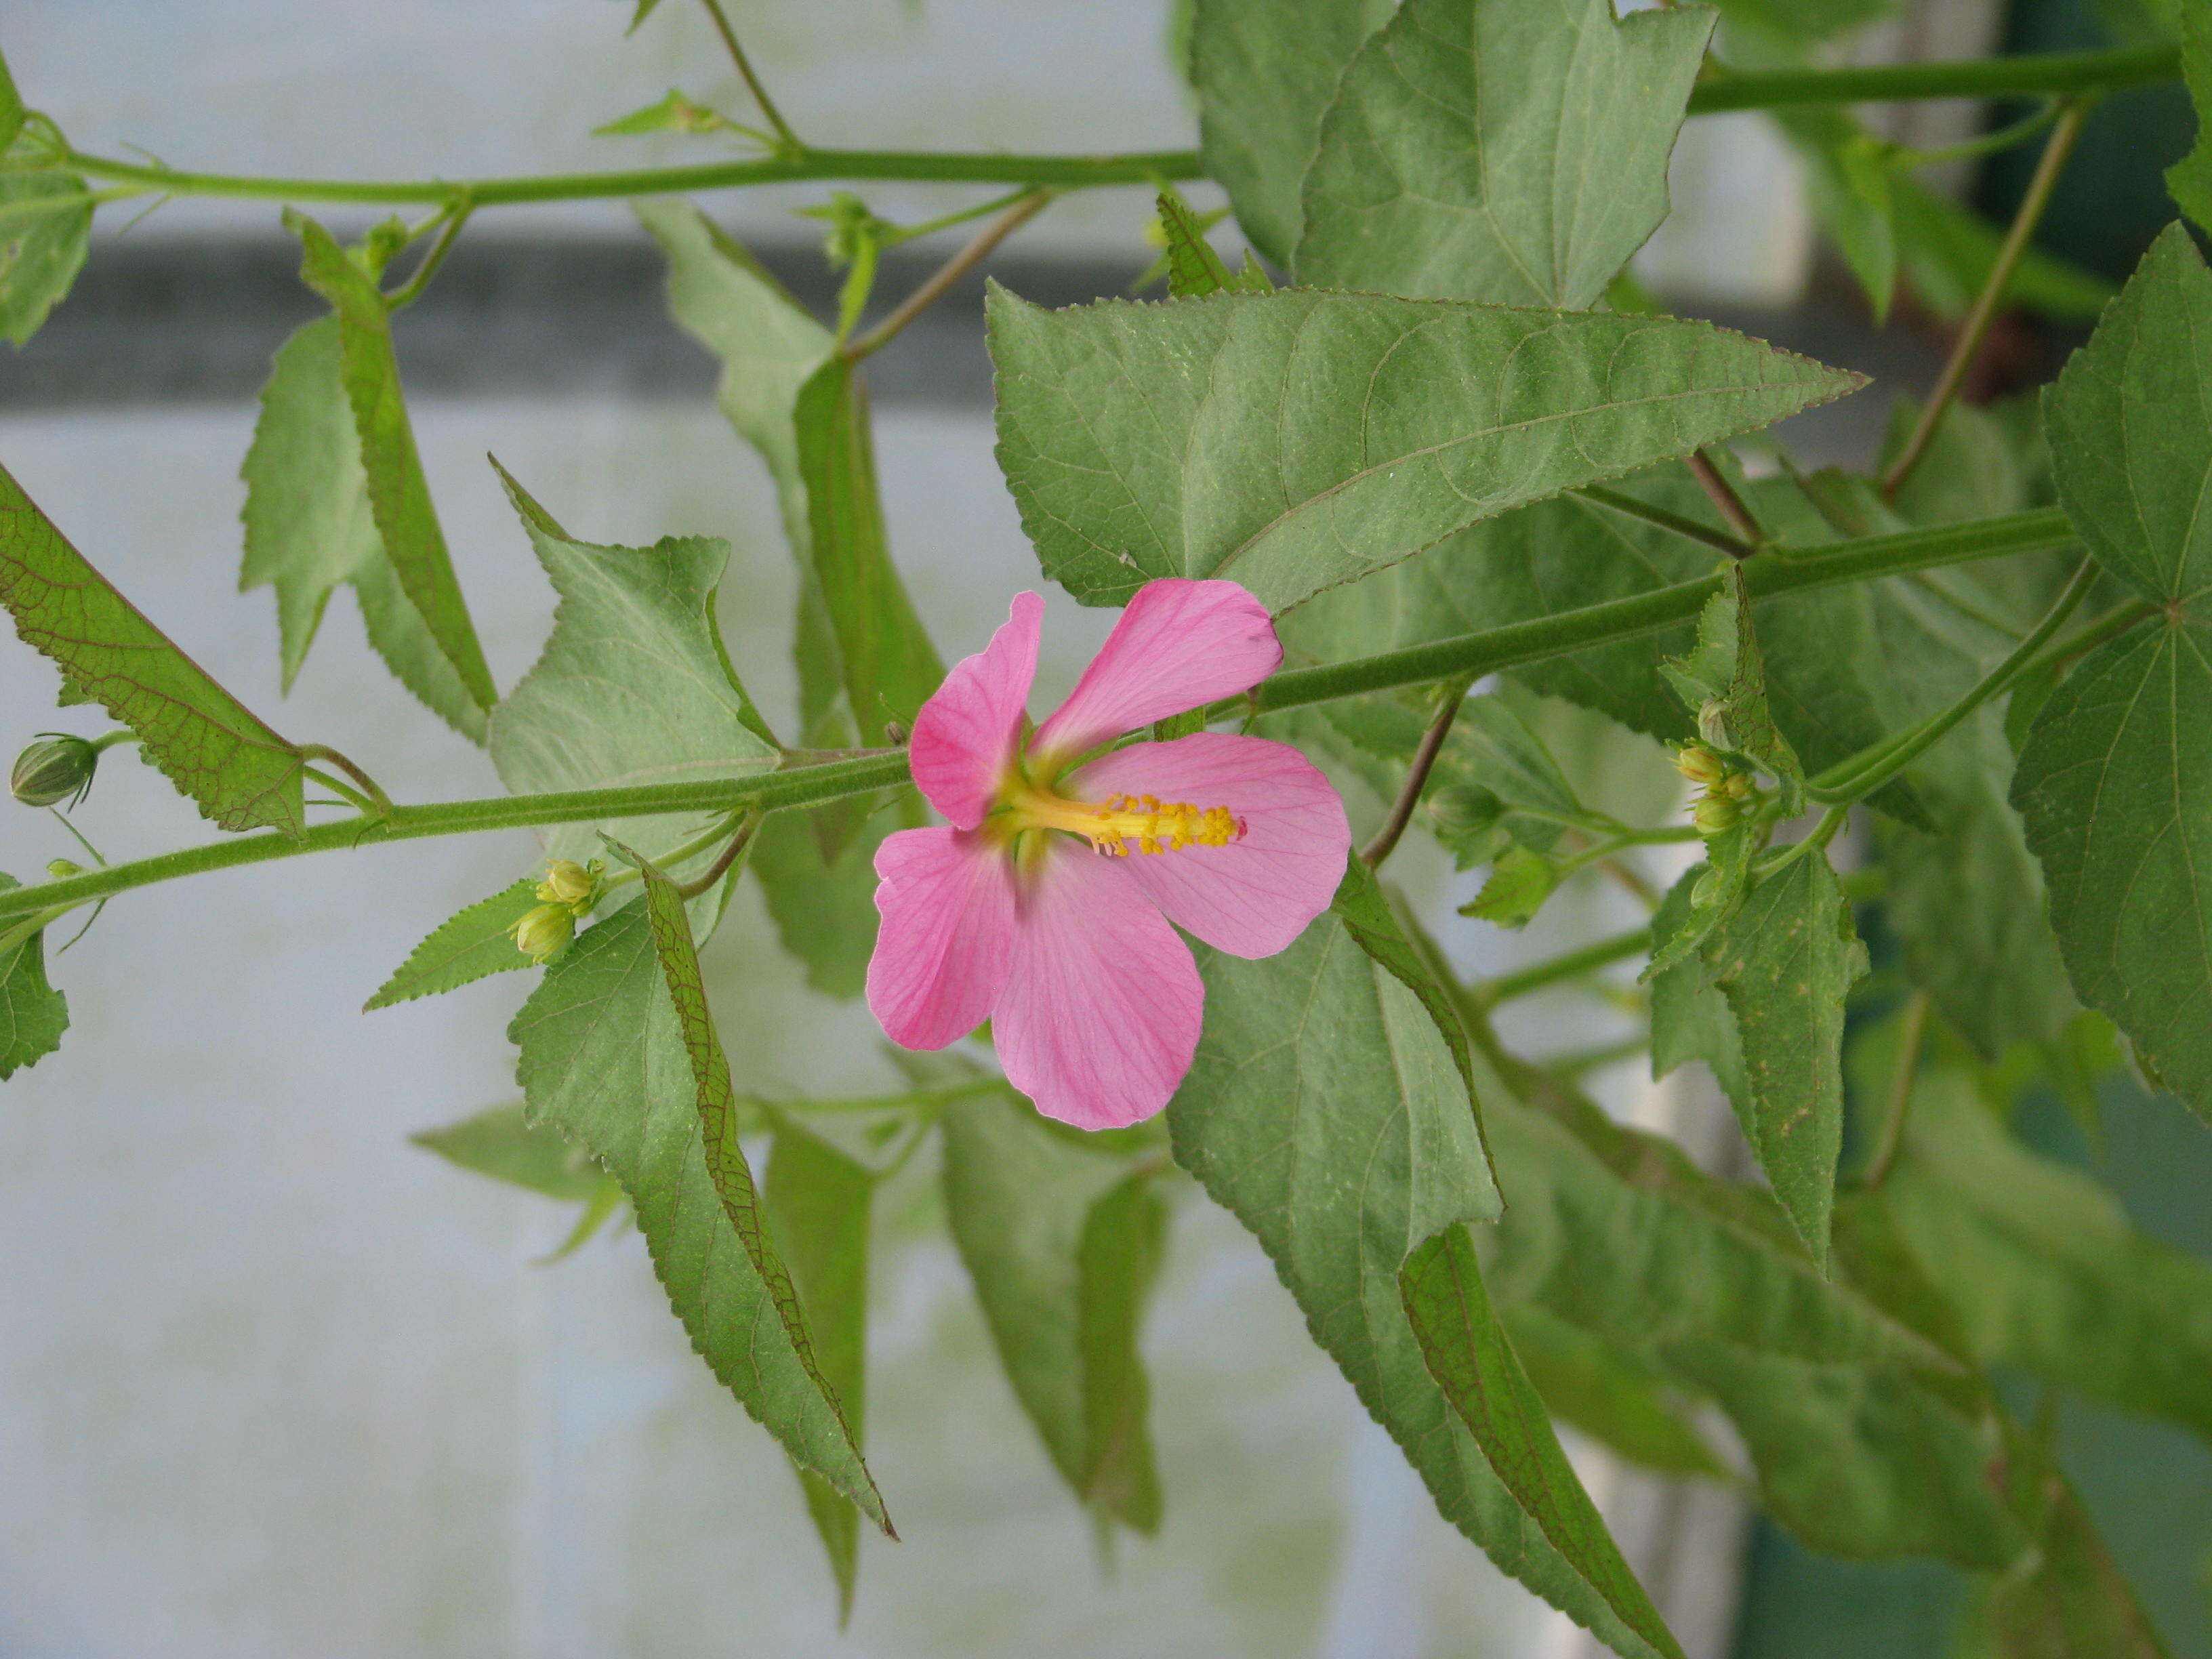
x: 1724, y: 792
x: 565, y: 896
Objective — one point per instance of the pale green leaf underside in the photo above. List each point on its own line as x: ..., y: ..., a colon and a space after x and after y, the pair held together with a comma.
x: 309, y: 527
x: 1784, y: 961
x: 470, y: 946
x: 603, y: 1061
x: 2115, y: 786
x: 1265, y: 71
x: 499, y: 1142
x: 1324, y: 1110
x: 631, y: 687
x: 33, y: 1014
x: 1509, y: 152
x: 398, y: 494
x: 207, y: 743
x: 40, y: 251
x: 1293, y: 441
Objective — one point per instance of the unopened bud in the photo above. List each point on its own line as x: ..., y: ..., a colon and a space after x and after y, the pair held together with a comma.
x: 1739, y: 787
x: 1699, y: 764
x: 52, y: 770
x: 1714, y: 814
x: 60, y: 869
x: 542, y: 932
x: 567, y: 882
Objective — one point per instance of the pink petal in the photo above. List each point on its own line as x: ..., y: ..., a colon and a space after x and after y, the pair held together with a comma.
x: 1101, y: 1013
x: 947, y: 939
x: 966, y: 735
x: 1179, y: 644
x: 1252, y: 897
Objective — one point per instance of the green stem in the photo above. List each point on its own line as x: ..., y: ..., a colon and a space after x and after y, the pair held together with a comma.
x: 412, y: 290
x: 1471, y: 654
x: 1572, y: 965
x: 1988, y: 77
x: 1451, y: 697
x: 941, y: 281
x: 785, y: 136
x: 1732, y: 507
x: 1976, y: 327
x: 1864, y: 773
x: 1900, y: 1092
x: 1690, y: 529
x: 1981, y: 77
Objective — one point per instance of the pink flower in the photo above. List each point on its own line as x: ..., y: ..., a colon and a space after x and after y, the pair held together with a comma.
x: 1044, y: 908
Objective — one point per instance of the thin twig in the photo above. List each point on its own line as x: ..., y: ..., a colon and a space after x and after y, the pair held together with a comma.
x: 1900, y: 1092
x: 1968, y: 346
x: 1541, y: 975
x: 774, y: 116
x: 380, y: 803
x: 723, y: 860
x: 450, y: 233
x: 1730, y: 504
x: 1629, y: 506
x: 1417, y: 775
x: 949, y: 273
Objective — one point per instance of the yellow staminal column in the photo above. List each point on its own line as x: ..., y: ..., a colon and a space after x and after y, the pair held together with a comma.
x: 1153, y: 825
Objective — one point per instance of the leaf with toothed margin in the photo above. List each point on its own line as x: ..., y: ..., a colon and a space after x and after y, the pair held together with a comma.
x: 605, y: 1061
x: 211, y: 746
x: 472, y: 944
x: 46, y: 225
x: 33, y: 1014
x: 1296, y: 440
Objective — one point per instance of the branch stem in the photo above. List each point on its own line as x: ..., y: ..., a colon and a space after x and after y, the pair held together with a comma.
x: 1450, y: 699
x: 1471, y: 655
x: 1730, y: 506
x: 1968, y: 346
x: 941, y: 281
x: 787, y: 139
x: 1629, y: 506
x: 1572, y: 964
x: 1900, y: 1103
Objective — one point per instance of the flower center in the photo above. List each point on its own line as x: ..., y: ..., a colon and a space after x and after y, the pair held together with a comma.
x: 1111, y: 826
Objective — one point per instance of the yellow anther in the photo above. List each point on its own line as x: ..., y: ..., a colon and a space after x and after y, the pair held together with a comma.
x: 1112, y: 826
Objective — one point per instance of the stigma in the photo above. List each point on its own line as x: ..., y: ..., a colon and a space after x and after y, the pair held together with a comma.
x: 1124, y: 823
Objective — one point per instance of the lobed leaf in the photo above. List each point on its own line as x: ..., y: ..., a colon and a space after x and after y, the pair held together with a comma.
x: 211, y: 746
x: 604, y: 1061
x: 398, y: 495
x: 1265, y: 71
x: 309, y: 526
x: 33, y: 1014
x: 633, y: 685
x: 474, y: 944
x: 502, y: 1142
x: 1296, y: 440
x: 1509, y: 152
x: 1468, y: 1355
x: 46, y: 225
x: 820, y: 1200
x: 1061, y: 1245
x: 1786, y: 961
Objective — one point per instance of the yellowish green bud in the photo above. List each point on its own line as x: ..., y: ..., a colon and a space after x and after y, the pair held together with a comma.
x: 1699, y: 764
x: 1714, y: 814
x: 54, y: 769
x: 542, y: 932
x: 60, y: 869
x: 567, y: 882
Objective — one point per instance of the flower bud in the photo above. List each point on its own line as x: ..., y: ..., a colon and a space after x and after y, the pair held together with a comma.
x: 567, y: 882
x: 61, y: 869
x: 542, y: 932
x: 1466, y: 809
x: 1739, y: 787
x: 1699, y: 764
x: 1714, y: 814
x: 55, y: 770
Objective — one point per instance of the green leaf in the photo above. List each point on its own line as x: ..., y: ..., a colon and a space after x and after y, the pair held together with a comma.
x: 1324, y: 1111
x: 644, y: 10
x: 1849, y: 172
x: 2115, y: 787
x: 309, y: 526
x: 1784, y: 961
x: 472, y: 946
x: 207, y: 743
x: 2189, y: 180
x: 604, y: 1061
x: 33, y: 1014
x: 1294, y: 440
x: 2043, y: 1268
x: 633, y: 684
x: 1265, y: 71
x: 1690, y: 1018
x: 2072, y: 1603
x: 1519, y: 883
x: 820, y: 1200
x: 11, y: 108
x: 889, y: 666
x: 821, y: 897
x: 1949, y: 251
x: 674, y: 113
x: 45, y: 226
x: 1611, y: 1396
x: 1061, y: 1250
x: 1438, y: 177
x: 1723, y: 682
x: 398, y: 495
x: 1803, y: 22
x: 501, y: 1142
x: 1861, y: 1461
x: 1360, y: 906
x: 1474, y: 1364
